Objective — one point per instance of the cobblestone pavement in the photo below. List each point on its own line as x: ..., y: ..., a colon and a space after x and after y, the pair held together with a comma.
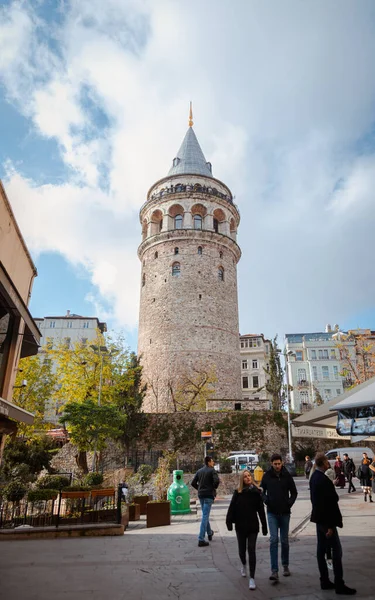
x: 165, y: 562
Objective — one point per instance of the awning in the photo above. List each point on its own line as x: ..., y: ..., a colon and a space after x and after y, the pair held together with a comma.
x: 11, y: 411
x: 31, y: 335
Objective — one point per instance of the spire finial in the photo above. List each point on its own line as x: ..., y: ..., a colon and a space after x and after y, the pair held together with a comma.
x: 191, y: 123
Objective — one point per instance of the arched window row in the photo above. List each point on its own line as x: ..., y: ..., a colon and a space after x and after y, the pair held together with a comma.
x: 201, y: 189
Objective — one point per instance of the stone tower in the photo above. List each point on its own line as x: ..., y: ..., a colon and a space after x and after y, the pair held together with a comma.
x: 188, y: 320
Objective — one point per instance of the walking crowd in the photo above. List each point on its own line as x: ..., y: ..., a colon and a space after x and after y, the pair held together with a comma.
x: 277, y: 491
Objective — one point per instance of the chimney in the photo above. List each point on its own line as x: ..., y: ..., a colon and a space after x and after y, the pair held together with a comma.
x: 328, y: 328
x: 68, y: 313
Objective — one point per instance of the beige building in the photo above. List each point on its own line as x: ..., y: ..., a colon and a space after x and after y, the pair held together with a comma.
x: 19, y: 335
x: 188, y: 319
x: 254, y: 350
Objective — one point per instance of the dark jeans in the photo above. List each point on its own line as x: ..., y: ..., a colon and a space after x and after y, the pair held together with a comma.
x: 350, y: 481
x: 335, y: 545
x: 247, y: 539
x: 276, y: 522
x: 206, y: 504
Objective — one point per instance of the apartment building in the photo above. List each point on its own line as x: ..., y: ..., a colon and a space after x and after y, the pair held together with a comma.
x: 254, y: 351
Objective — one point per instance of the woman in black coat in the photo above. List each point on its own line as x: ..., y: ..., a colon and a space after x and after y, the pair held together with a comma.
x: 245, y: 508
x: 365, y: 476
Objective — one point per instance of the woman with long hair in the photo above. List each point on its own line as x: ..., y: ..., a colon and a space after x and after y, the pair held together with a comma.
x: 365, y: 478
x: 245, y: 508
x: 339, y: 472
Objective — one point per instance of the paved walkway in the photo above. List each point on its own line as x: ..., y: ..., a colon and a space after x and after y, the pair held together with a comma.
x: 165, y: 562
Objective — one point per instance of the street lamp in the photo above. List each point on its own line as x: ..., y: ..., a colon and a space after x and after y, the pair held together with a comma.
x: 286, y: 354
x: 100, y: 350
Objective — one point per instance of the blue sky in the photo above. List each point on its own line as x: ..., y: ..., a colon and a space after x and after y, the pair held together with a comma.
x: 93, y: 107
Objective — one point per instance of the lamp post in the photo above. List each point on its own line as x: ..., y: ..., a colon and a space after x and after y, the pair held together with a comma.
x: 100, y: 350
x: 286, y: 354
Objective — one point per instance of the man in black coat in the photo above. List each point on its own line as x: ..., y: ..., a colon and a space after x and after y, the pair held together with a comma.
x: 279, y: 495
x: 327, y: 516
x: 349, y: 471
x: 206, y: 481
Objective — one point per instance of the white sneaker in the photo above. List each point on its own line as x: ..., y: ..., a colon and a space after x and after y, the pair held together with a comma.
x: 243, y: 571
x: 252, y: 585
x: 329, y: 564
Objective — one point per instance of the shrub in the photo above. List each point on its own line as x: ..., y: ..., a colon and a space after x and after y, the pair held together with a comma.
x: 162, y: 476
x: 225, y: 466
x: 92, y: 479
x: 144, y: 475
x: 76, y: 488
x: 52, y: 482
x: 40, y: 495
x: 14, y: 491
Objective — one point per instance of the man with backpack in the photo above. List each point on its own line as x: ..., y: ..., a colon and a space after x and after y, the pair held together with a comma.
x: 349, y: 471
x: 206, y: 481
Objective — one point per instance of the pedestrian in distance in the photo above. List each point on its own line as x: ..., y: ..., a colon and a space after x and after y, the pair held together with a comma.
x: 308, y: 466
x: 206, y: 481
x: 364, y: 475
x: 245, y: 510
x: 372, y: 469
x: 339, y: 472
x: 349, y: 471
x: 331, y: 476
x: 279, y: 495
x: 327, y: 516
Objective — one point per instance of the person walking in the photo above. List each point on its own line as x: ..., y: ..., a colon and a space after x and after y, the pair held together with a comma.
x: 245, y: 510
x: 340, y: 477
x: 206, y: 481
x: 308, y: 467
x: 372, y: 469
x: 364, y: 472
x: 279, y: 495
x: 327, y: 516
x: 349, y: 471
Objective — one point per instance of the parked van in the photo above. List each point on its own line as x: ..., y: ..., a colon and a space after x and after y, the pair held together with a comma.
x: 354, y: 453
x: 242, y: 460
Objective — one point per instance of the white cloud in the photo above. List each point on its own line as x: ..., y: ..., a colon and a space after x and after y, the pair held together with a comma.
x: 283, y: 95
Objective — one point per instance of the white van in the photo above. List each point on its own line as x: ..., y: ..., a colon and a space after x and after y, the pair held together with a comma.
x: 354, y: 453
x: 242, y: 460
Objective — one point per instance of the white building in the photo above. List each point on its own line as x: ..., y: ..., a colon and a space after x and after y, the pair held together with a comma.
x: 69, y: 329
x: 313, y: 363
x: 254, y: 350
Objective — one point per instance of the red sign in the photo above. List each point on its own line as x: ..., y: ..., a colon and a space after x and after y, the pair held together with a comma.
x: 206, y: 434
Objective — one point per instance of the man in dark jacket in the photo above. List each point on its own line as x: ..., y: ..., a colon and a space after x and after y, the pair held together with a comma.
x: 349, y: 471
x: 206, y: 481
x: 327, y: 516
x: 279, y: 495
x: 308, y: 466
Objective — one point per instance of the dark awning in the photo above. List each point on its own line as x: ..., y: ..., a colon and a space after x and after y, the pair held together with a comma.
x: 31, y: 335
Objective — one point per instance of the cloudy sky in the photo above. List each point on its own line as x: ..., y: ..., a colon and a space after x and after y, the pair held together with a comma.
x: 93, y: 106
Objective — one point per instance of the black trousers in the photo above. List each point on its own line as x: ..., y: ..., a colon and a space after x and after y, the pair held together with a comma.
x: 247, y: 540
x: 350, y: 481
x: 324, y: 544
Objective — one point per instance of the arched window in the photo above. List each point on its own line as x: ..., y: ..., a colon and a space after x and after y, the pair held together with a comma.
x: 176, y: 250
x: 200, y: 251
x: 220, y: 273
x: 221, y: 254
x: 178, y: 222
x: 216, y: 225
x: 143, y: 280
x: 197, y: 222
x: 176, y: 269
x: 156, y: 255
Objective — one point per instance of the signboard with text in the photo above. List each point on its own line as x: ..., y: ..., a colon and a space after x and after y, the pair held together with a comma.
x: 307, y: 431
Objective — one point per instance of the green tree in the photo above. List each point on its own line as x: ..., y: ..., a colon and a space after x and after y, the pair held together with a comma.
x: 191, y: 390
x: 274, y: 376
x: 129, y: 397
x: 91, y: 425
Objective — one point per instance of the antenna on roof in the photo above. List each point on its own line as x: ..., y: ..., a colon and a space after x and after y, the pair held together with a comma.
x: 191, y: 122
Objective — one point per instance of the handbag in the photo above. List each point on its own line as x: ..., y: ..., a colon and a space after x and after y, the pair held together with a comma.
x: 359, y: 472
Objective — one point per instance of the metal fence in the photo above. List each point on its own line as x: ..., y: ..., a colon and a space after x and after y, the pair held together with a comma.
x: 72, y: 508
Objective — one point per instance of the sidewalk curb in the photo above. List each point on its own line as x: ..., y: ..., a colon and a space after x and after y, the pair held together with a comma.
x: 301, y: 525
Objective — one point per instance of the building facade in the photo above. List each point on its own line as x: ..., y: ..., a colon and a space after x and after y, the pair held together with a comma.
x: 254, y: 350
x: 19, y: 334
x: 314, y: 367
x: 188, y: 321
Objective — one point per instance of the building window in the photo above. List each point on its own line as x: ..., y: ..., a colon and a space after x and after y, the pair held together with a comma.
x: 315, y: 373
x: 197, y: 222
x: 254, y: 343
x: 325, y: 373
x: 176, y: 250
x: 216, y: 225
x: 267, y: 348
x: 143, y: 284
x: 178, y: 222
x: 333, y: 354
x: 338, y: 392
x: 328, y: 394
x: 220, y: 273
x: 52, y: 324
x: 255, y: 381
x: 69, y: 325
x: 245, y: 383
x: 86, y: 324
x: 255, y: 364
x: 237, y: 406
x: 335, y: 372
x: 301, y: 375
x: 299, y: 355
x: 320, y: 354
x: 156, y: 255
x: 244, y: 364
x: 200, y: 251
x: 325, y: 354
x: 304, y: 398
x: 84, y: 341
x: 313, y: 354
x: 176, y: 269
x: 221, y: 254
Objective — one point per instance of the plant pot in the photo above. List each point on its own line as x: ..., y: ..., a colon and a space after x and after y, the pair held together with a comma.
x: 134, y: 512
x: 158, y: 514
x: 142, y: 501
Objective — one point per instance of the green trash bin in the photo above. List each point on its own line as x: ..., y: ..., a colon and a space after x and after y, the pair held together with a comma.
x: 179, y: 495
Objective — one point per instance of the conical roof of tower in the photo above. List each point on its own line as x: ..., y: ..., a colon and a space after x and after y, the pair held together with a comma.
x: 190, y: 158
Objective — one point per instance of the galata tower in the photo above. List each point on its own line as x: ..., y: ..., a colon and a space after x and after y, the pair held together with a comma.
x: 188, y: 321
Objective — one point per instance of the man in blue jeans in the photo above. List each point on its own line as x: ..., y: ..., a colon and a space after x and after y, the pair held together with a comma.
x: 206, y: 481
x: 279, y: 495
